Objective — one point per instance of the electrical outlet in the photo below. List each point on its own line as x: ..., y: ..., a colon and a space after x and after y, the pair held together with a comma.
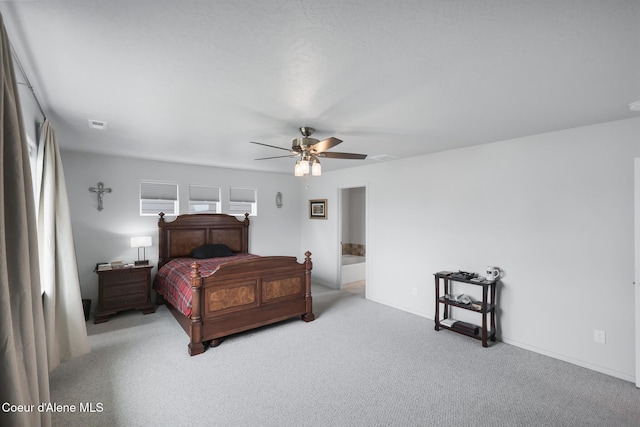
x: 599, y: 336
x: 414, y: 292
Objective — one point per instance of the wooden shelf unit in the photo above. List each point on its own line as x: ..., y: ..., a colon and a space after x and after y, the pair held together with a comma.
x: 487, y: 330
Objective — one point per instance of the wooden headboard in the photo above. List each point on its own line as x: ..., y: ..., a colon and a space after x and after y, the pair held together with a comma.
x: 177, y: 238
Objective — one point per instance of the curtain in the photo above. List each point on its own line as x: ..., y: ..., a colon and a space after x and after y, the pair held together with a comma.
x: 24, y: 374
x: 65, y: 326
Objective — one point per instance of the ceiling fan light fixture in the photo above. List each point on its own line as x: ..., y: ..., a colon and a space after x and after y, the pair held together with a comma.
x: 308, y: 150
x: 304, y: 165
x: 307, y: 165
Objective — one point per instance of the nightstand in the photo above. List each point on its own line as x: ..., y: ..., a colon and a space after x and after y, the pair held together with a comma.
x: 124, y: 289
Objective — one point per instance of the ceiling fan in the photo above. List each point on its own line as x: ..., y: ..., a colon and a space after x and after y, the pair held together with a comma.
x: 310, y: 150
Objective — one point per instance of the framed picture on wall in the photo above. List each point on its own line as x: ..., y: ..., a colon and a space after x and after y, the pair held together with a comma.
x: 318, y: 209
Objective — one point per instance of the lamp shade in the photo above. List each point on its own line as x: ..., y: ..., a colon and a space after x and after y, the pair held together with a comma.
x: 141, y: 242
x: 304, y: 164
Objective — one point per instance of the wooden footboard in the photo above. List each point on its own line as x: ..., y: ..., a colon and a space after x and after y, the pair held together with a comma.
x: 245, y: 295
x: 239, y: 295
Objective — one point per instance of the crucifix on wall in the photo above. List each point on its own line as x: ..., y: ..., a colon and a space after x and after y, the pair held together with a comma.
x: 100, y: 190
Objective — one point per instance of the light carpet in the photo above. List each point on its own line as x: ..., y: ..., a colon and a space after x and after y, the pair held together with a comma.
x: 358, y: 364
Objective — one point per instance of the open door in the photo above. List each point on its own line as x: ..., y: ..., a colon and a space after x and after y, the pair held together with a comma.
x: 352, y: 229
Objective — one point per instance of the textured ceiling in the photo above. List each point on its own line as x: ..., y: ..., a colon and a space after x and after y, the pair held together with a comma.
x: 195, y: 81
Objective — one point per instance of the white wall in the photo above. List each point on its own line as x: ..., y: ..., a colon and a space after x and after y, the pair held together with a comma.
x: 102, y: 236
x: 554, y: 211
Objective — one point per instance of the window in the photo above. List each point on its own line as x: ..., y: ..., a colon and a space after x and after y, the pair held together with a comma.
x: 242, y: 200
x: 33, y: 161
x: 156, y: 197
x: 204, y: 199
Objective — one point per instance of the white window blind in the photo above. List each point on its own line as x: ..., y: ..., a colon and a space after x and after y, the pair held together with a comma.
x: 204, y: 199
x: 242, y: 200
x: 238, y: 194
x: 156, y: 197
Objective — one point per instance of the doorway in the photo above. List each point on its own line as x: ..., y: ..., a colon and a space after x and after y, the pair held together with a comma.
x: 353, y: 244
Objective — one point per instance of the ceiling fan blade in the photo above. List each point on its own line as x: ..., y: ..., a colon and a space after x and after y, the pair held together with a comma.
x: 325, y: 144
x: 279, y: 157
x: 272, y: 146
x: 334, y: 155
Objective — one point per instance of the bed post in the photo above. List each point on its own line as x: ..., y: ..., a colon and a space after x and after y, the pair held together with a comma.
x: 195, y: 327
x: 245, y: 234
x: 161, y: 240
x: 308, y: 265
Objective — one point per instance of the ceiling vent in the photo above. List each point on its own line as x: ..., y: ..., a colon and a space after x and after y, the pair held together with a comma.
x: 97, y: 124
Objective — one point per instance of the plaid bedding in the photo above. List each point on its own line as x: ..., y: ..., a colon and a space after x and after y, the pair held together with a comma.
x: 173, y: 280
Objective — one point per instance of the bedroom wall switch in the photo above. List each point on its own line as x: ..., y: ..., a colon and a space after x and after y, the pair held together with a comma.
x: 414, y: 292
x: 599, y: 336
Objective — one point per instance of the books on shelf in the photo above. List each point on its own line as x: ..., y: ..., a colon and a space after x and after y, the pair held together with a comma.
x: 113, y: 265
x: 447, y: 322
x: 117, y: 264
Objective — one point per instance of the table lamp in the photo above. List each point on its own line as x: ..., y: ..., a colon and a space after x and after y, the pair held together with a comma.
x: 141, y: 242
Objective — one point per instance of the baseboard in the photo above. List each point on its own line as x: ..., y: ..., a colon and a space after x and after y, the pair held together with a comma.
x: 573, y: 361
x: 325, y: 284
x: 399, y: 307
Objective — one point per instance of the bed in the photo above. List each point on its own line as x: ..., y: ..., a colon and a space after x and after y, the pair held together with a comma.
x: 231, y: 292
